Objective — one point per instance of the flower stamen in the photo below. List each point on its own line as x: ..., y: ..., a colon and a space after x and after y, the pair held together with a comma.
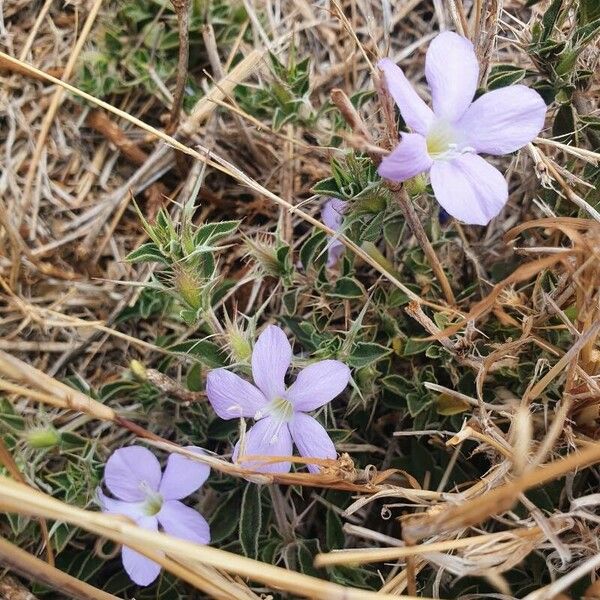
x: 153, y: 502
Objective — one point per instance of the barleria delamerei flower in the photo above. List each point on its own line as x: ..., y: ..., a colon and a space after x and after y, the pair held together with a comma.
x: 152, y: 498
x: 279, y: 411
x: 332, y: 215
x: 447, y: 140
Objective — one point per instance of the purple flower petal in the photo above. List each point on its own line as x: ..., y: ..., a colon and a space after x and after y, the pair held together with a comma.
x: 129, y: 471
x: 417, y: 115
x: 503, y: 120
x: 311, y: 439
x: 334, y: 252
x: 184, y: 522
x: 409, y: 158
x: 452, y: 72
x: 318, y: 384
x: 333, y: 213
x: 231, y: 396
x: 183, y: 476
x: 271, y: 358
x: 133, y: 510
x: 140, y: 569
x: 469, y: 188
x: 268, y: 437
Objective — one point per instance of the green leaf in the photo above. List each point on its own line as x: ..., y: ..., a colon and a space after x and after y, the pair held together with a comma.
x: 416, y: 403
x: 224, y: 520
x: 148, y: 252
x: 566, y: 63
x: 269, y: 551
x: 413, y: 346
x: 550, y: 18
x: 393, y: 230
x: 360, y: 98
x: 311, y: 249
x: 503, y: 75
x: 326, y: 187
x: 306, y: 558
x: 396, y: 384
x: 194, y: 378
x: 564, y: 123
x: 334, y: 534
x: 222, y: 430
x: 290, y: 300
x: 589, y: 10
x: 347, y: 287
x: 207, y: 352
x: 434, y: 351
x: 303, y: 331
x: 364, y: 354
x: 585, y: 35
x: 250, y: 520
x: 211, y: 232
x: 372, y: 232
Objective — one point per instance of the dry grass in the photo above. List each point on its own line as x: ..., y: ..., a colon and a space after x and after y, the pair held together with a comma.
x: 72, y: 164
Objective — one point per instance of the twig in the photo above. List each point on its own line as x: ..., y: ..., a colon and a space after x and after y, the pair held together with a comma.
x: 182, y: 10
x: 538, y: 156
x: 363, y: 556
x: 501, y: 499
x: 213, y: 160
x: 16, y: 498
x: 457, y: 12
x: 51, y: 113
x: 7, y: 460
x: 33, y: 568
x: 98, y: 121
x: 411, y: 217
x: 166, y: 384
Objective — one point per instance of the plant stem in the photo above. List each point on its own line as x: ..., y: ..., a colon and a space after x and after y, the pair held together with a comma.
x: 183, y: 20
x: 411, y: 217
x: 351, y: 116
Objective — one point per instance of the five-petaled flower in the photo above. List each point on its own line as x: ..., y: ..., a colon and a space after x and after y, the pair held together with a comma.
x: 150, y: 498
x: 332, y: 216
x: 279, y: 411
x: 446, y: 141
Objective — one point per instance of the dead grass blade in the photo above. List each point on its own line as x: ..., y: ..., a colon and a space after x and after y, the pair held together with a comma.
x: 211, y: 159
x: 480, y: 508
x: 27, y: 565
x: 17, y: 498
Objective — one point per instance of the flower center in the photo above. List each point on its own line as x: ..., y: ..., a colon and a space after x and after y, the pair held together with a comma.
x: 281, y: 409
x: 441, y: 139
x: 153, y: 502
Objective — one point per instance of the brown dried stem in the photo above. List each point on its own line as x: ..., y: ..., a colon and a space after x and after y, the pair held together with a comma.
x: 19, y: 499
x: 182, y: 9
x: 27, y: 565
x: 351, y: 116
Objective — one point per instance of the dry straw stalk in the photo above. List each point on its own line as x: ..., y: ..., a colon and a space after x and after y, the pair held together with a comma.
x: 19, y: 499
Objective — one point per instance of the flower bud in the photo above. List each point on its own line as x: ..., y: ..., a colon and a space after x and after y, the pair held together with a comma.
x: 241, y: 349
x: 138, y: 370
x: 42, y: 437
x: 189, y: 288
x: 416, y: 186
x: 264, y: 252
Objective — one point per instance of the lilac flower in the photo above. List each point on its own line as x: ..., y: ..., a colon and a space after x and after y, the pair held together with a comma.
x: 446, y: 141
x: 332, y: 216
x: 150, y: 498
x: 279, y: 412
